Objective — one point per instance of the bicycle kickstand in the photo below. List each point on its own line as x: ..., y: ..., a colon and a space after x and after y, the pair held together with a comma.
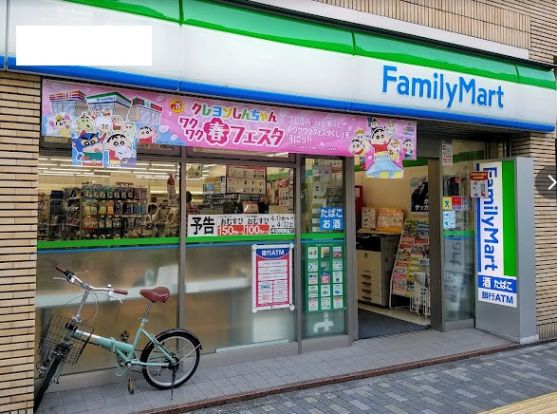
x: 131, y: 389
x: 174, y: 369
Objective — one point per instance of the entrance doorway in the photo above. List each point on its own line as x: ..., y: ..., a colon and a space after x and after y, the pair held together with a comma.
x: 392, y: 248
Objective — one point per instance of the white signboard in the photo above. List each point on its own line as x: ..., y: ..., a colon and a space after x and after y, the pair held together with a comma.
x: 239, y: 224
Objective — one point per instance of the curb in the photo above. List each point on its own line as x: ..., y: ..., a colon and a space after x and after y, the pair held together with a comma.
x: 296, y: 386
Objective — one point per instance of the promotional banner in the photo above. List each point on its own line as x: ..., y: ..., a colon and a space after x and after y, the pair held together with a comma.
x: 496, y: 262
x: 389, y: 143
x: 239, y: 224
x: 272, y: 277
x: 93, y: 115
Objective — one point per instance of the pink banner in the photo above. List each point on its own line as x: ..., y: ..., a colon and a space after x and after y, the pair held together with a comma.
x: 71, y: 109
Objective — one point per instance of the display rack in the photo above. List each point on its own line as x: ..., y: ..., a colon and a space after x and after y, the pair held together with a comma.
x: 95, y: 211
x: 410, y: 277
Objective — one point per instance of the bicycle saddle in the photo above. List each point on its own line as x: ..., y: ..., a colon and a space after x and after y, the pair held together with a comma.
x: 158, y: 294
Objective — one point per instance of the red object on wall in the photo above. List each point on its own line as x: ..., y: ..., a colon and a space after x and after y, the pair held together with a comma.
x: 359, y: 192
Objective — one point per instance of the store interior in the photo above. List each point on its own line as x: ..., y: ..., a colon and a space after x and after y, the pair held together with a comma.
x: 392, y: 250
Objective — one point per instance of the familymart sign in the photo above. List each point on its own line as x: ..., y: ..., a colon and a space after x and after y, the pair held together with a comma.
x: 495, y: 237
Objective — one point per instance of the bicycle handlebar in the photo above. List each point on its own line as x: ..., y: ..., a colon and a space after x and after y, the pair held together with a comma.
x: 74, y: 280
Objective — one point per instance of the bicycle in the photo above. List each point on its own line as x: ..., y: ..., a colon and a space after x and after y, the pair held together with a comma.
x: 174, y: 353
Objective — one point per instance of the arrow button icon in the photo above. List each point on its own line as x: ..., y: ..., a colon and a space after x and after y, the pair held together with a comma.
x: 553, y: 182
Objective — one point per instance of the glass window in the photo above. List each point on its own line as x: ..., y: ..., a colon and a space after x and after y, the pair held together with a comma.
x: 103, y: 224
x: 86, y: 203
x: 323, y: 194
x: 324, y: 249
x: 231, y: 208
x: 131, y: 268
x: 458, y: 231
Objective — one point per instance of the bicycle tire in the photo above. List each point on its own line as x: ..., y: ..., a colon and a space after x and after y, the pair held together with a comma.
x: 46, y: 381
x: 161, y: 337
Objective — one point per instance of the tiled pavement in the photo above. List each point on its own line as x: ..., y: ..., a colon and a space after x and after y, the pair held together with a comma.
x: 256, y: 376
x: 468, y: 386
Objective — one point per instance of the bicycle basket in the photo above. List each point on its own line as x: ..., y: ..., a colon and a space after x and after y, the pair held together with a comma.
x: 61, y: 329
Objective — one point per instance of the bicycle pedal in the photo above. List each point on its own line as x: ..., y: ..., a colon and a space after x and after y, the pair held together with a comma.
x: 131, y: 389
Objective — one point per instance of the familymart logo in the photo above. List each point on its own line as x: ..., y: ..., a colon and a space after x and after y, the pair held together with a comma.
x: 466, y: 90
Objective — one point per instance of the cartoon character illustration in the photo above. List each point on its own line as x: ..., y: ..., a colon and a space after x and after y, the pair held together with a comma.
x: 84, y: 122
x: 121, y: 146
x: 373, y: 122
x: 61, y: 123
x: 394, y: 150
x: 146, y: 134
x: 104, y: 124
x: 90, y: 146
x: 390, y: 129
x: 130, y: 130
x: 408, y: 148
x: 358, y: 145
x: 117, y: 122
x: 379, y: 140
x: 381, y: 165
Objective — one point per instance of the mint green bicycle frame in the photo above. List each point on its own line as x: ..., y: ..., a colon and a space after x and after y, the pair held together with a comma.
x: 126, y: 351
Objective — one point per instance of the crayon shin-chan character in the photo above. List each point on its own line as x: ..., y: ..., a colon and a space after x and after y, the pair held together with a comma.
x: 146, y: 134
x: 129, y: 130
x: 121, y: 146
x: 61, y: 124
x: 358, y: 145
x: 383, y: 166
x: 394, y: 150
x: 408, y: 148
x: 90, y: 146
x: 84, y: 122
x: 104, y: 125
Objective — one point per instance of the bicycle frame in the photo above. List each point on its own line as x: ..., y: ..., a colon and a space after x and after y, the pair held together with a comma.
x: 126, y: 351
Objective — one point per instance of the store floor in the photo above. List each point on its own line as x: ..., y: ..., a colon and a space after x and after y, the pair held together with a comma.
x: 373, y: 324
x: 224, y: 383
x: 402, y: 313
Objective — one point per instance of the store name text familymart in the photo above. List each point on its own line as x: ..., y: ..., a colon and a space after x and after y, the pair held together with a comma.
x: 465, y: 90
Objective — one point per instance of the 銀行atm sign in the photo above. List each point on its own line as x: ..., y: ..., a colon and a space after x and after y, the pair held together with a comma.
x: 496, y: 236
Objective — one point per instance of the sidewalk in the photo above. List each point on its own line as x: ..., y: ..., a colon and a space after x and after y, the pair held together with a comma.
x: 518, y: 377
x: 211, y: 386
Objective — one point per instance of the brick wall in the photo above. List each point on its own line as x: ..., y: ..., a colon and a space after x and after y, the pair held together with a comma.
x: 19, y: 151
x: 484, y: 19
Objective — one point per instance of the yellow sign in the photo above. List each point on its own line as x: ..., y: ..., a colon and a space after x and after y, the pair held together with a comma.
x: 447, y: 203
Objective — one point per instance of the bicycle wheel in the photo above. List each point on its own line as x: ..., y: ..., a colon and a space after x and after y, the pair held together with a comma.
x: 178, y: 343
x: 46, y: 381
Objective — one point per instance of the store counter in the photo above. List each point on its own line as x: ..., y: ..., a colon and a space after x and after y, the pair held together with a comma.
x: 375, y: 253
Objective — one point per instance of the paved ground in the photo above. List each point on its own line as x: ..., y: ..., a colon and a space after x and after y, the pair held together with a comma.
x: 468, y: 386
x: 227, y: 381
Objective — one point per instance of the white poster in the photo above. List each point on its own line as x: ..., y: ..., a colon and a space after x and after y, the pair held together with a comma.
x: 446, y: 154
x: 239, y: 224
x: 271, y: 276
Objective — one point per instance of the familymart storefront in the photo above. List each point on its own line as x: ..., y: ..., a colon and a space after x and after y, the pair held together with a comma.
x: 235, y: 187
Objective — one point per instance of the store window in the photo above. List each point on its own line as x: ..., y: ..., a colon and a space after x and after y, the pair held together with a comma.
x: 87, y: 203
x: 234, y: 208
x: 117, y: 226
x: 324, y: 249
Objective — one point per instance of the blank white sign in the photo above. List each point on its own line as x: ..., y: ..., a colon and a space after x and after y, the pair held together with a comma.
x: 86, y: 45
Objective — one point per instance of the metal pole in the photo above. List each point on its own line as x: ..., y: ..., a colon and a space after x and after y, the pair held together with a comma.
x: 350, y: 249
x: 181, y: 302
x: 298, y: 274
